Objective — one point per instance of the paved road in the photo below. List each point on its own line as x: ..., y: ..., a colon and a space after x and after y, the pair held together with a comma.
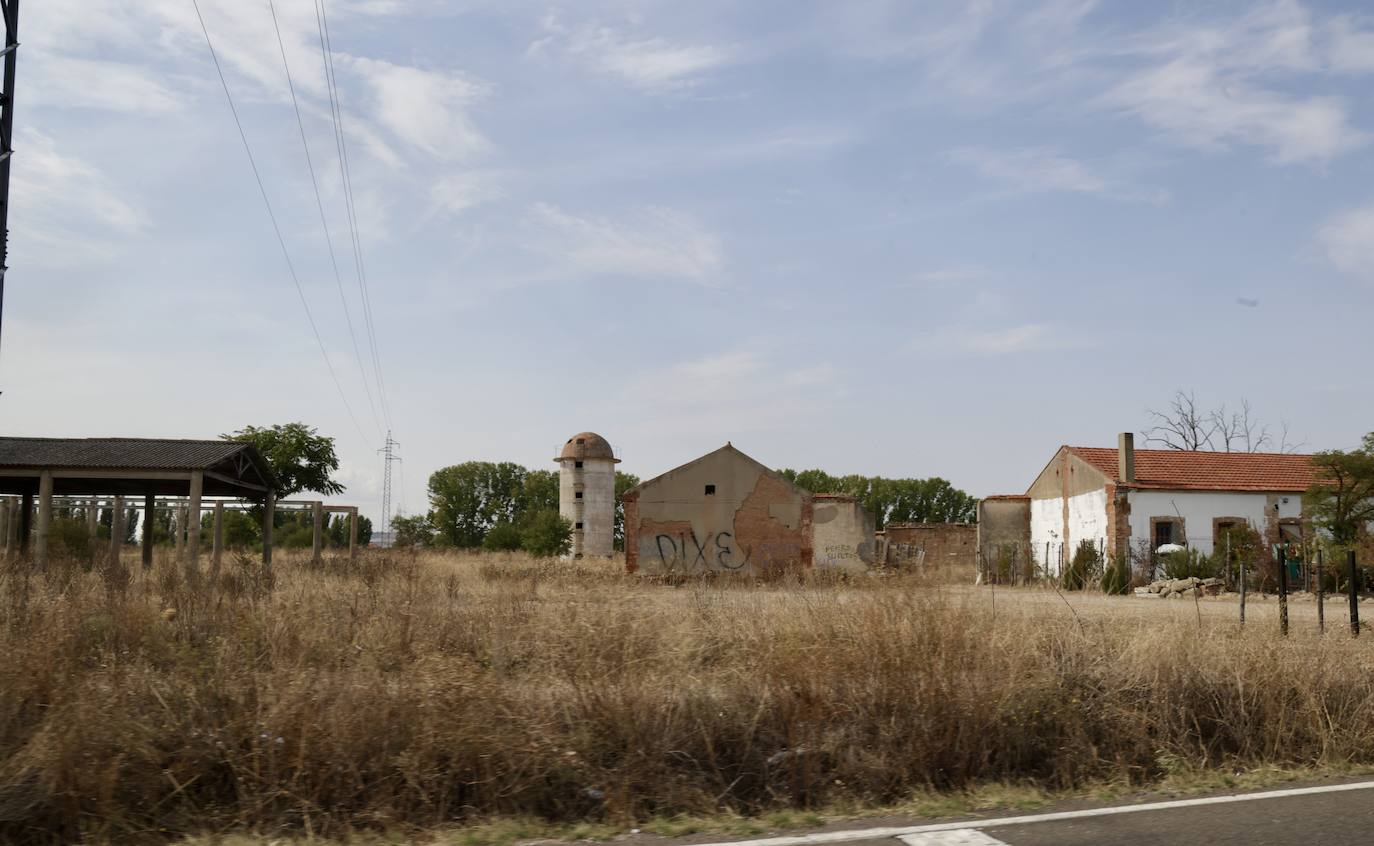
x: 1304, y: 816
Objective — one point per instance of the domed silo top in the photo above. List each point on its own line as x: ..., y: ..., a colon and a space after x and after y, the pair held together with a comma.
x: 587, y: 445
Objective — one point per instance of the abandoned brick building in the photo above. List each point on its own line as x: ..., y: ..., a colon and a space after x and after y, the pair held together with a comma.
x: 726, y: 512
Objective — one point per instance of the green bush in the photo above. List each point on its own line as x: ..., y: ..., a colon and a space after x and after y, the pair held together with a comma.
x: 1086, y: 562
x: 1116, y: 578
x: 547, y: 534
x: 503, y: 537
x: 1187, y: 563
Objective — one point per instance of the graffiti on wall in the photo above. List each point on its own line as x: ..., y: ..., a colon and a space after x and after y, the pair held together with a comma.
x: 685, y: 551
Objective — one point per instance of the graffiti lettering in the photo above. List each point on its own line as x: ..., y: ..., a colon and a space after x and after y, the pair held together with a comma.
x: 724, y: 553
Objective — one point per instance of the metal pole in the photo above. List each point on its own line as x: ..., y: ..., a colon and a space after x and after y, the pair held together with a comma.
x: 1354, y: 597
x: 1321, y: 591
x: 1283, y: 589
x: 1242, y: 591
x: 11, y: 13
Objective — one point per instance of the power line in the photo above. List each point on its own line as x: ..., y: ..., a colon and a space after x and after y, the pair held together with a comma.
x: 252, y: 162
x: 346, y: 176
x: 324, y: 220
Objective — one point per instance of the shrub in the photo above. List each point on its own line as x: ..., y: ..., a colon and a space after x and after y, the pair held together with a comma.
x: 1085, y: 564
x: 547, y: 534
x: 1187, y: 563
x: 503, y: 537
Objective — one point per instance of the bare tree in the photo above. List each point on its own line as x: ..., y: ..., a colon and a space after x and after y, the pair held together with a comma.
x: 1183, y: 426
x: 1186, y: 426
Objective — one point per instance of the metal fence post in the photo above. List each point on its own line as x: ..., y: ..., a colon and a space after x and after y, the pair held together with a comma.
x: 1283, y: 589
x: 1354, y: 598
x: 1321, y: 591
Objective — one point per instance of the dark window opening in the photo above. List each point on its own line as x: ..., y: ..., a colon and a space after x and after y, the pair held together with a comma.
x: 577, y: 525
x: 710, y: 490
x: 578, y: 494
x: 1164, y: 533
x: 577, y: 464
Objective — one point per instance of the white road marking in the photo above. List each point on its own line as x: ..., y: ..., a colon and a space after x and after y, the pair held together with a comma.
x: 902, y: 832
x: 956, y: 837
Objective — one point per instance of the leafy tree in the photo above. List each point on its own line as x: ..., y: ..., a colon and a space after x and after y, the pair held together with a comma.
x: 539, y: 491
x: 300, y: 458
x: 623, y: 482
x: 242, y: 531
x: 547, y: 534
x: 415, y: 530
x: 503, y: 537
x: 931, y: 500
x: 364, y: 530
x: 467, y: 499
x: 1342, y: 499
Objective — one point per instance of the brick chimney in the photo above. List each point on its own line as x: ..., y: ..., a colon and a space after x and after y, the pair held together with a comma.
x: 1125, y: 457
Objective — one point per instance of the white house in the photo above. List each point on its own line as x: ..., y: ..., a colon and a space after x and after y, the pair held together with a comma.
x: 1125, y: 499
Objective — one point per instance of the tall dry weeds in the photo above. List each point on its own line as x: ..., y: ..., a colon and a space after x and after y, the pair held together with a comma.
x: 404, y: 691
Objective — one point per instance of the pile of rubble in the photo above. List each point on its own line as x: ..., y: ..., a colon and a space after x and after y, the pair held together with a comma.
x: 1183, y: 588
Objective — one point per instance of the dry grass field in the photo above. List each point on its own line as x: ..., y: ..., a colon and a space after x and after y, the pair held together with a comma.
x: 408, y: 692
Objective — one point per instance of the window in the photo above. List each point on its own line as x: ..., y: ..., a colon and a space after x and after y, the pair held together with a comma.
x: 710, y: 490
x: 578, y: 495
x: 1164, y: 533
x: 577, y: 525
x: 577, y: 464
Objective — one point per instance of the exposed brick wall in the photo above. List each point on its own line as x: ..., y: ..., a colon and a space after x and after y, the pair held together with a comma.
x: 943, y: 543
x: 631, y: 501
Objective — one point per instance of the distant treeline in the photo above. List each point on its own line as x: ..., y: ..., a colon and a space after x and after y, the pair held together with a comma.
x: 931, y: 500
x: 497, y: 505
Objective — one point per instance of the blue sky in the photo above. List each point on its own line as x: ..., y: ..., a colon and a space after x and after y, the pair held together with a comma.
x: 893, y: 238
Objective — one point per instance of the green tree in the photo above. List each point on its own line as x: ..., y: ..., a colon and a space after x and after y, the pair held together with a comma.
x: 547, y: 534
x: 467, y: 499
x: 539, y: 491
x: 414, y: 530
x: 1341, y: 501
x: 503, y: 537
x: 364, y: 530
x: 300, y: 458
x: 623, y: 482
x: 931, y: 500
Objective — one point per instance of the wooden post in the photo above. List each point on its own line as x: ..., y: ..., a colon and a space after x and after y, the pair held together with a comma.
x: 5, y: 524
x: 269, y: 506
x: 318, y: 544
x: 193, y: 525
x: 1242, y: 591
x: 40, y: 549
x: 12, y: 530
x: 149, y: 515
x: 353, y: 533
x: 116, y: 531
x: 217, y: 551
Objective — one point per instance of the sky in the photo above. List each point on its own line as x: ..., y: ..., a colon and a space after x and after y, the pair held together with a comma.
x: 890, y: 238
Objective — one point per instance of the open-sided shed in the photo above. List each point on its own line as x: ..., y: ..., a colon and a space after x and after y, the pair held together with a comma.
x: 42, y: 468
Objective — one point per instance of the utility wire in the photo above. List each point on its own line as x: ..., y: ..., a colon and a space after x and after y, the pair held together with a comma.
x: 324, y: 220
x: 252, y: 162
x: 346, y: 176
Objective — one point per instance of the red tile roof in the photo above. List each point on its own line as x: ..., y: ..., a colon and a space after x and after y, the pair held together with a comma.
x: 1171, y: 469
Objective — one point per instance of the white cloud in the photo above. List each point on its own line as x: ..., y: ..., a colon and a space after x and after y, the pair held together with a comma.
x: 424, y: 108
x: 1348, y: 239
x: 953, y: 275
x: 1213, y: 86
x: 455, y: 193
x: 1023, y: 338
x: 1039, y: 169
x: 648, y: 63
x: 96, y: 84
x: 1351, y: 47
x: 67, y: 208
x: 659, y: 243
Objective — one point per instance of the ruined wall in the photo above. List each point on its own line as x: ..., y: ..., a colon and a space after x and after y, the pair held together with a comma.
x: 931, y: 544
x: 842, y: 534
x: 723, y: 512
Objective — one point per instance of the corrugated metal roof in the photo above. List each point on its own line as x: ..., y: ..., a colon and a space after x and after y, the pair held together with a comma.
x: 118, y: 453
